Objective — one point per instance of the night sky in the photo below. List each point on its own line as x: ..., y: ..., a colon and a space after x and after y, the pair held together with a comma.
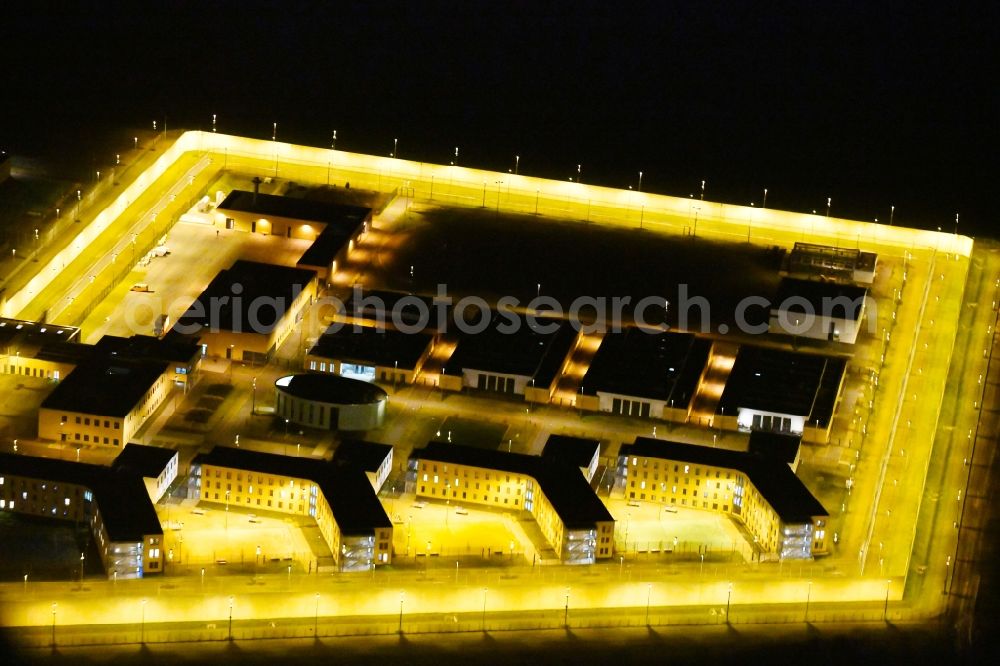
x: 873, y: 104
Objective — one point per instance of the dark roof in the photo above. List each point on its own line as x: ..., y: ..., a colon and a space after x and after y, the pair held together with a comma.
x: 661, y: 366
x: 21, y: 331
x: 783, y: 382
x: 525, y: 351
x: 829, y: 299
x: 569, y: 493
x: 120, y: 494
x: 577, y: 451
x: 146, y: 461
x: 111, y: 347
x: 327, y: 245
x: 222, y: 308
x: 352, y: 500
x: 775, y: 445
x: 368, y: 456
x: 105, y: 388
x: 773, y: 478
x: 330, y: 388
x: 147, y: 347
x: 367, y: 345
x: 307, y: 210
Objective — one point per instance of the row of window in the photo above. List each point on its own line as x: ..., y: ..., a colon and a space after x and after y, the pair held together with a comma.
x: 85, y: 420
x: 475, y: 496
x: 77, y: 437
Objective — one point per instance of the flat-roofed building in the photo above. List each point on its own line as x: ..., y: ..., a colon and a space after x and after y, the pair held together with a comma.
x: 329, y: 402
x: 525, y: 361
x: 103, y: 402
x: 339, y: 496
x: 812, y: 261
x: 20, y: 341
x: 248, y: 310
x: 762, y: 493
x: 156, y: 466
x: 636, y: 372
x: 370, y: 353
x: 818, y: 310
x: 781, y: 391
x: 112, y: 501
x: 110, y: 388
x: 335, y: 229
x: 569, y: 514
x: 372, y: 458
x: 578, y: 451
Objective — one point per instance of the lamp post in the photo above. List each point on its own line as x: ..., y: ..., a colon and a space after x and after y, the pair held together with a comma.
x: 578, y: 174
x: 566, y: 610
x: 142, y: 630
x: 53, y: 624
x: 892, y: 211
x: 703, y: 190
x: 729, y: 599
x: 253, y: 396
x: 764, y: 204
x: 828, y: 201
x: 316, y: 618
x: 885, y: 609
x: 808, y: 596
x: 483, y: 623
x: 82, y: 557
x: 640, y: 182
x: 395, y: 144
x: 517, y: 163
x: 213, y: 123
x: 649, y: 593
x: 230, y: 617
x: 227, y: 512
x: 401, y: 596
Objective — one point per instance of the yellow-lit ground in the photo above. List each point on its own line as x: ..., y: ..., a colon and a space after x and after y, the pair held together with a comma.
x: 207, y: 535
x: 905, y: 463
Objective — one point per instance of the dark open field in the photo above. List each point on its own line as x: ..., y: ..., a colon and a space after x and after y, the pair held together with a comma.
x: 478, y: 252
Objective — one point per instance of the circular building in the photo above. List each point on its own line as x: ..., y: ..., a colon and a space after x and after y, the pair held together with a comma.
x: 329, y: 402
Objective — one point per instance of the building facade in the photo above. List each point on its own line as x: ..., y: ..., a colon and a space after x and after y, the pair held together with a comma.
x: 570, y: 516
x: 764, y: 495
x: 305, y: 487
